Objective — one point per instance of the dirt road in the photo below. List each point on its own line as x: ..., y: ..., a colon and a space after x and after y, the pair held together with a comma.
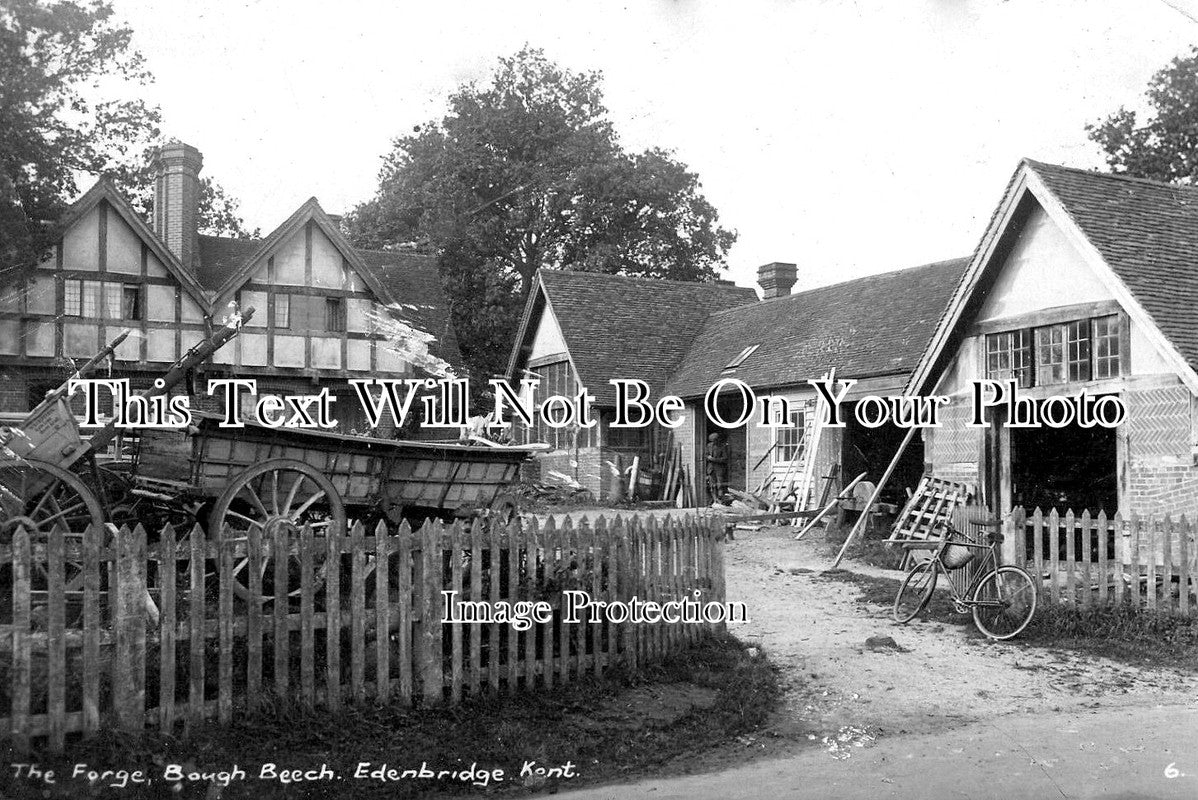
x: 1119, y: 753
x: 816, y: 629
x: 946, y: 714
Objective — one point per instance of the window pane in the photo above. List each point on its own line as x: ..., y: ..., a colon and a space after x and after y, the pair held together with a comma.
x: 113, y: 294
x: 1078, y: 339
x: 790, y: 439
x: 1009, y: 355
x: 1021, y: 357
x: 131, y: 306
x: 1063, y: 353
x: 72, y: 298
x: 91, y: 297
x: 1050, y: 354
x: 282, y: 311
x: 334, y: 314
x: 1106, y: 347
x: 740, y: 358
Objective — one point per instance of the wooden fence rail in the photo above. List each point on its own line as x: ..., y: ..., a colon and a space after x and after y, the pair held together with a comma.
x: 121, y: 629
x: 1092, y: 560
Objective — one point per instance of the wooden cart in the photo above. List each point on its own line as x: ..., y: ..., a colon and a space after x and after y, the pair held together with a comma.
x: 50, y: 476
x: 265, y: 476
x: 274, y: 481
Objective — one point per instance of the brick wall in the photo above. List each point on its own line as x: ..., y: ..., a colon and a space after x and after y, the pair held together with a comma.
x: 14, y: 390
x: 1160, y: 475
x: 20, y: 387
x: 954, y: 448
x: 1163, y: 490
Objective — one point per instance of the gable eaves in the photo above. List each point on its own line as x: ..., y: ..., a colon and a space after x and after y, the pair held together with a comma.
x: 538, y: 293
x: 1027, y: 183
x: 1135, y: 310
x: 104, y: 190
x: 310, y: 211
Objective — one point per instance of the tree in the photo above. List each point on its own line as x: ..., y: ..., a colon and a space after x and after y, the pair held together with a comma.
x: 1165, y: 147
x: 528, y: 173
x: 52, y: 54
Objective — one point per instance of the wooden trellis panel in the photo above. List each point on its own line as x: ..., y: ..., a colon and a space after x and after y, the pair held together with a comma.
x: 931, y: 506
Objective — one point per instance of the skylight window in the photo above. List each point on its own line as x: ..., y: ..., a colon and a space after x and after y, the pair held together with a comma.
x: 740, y: 358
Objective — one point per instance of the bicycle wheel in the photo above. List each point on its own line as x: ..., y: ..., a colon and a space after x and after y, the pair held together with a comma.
x: 1004, y: 602
x: 915, y: 592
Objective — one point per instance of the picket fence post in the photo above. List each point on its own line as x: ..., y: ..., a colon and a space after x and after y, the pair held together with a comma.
x: 130, y: 629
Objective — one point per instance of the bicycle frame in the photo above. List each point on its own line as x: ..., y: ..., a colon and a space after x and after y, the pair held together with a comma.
x: 985, y: 566
x: 988, y: 564
x: 1013, y: 614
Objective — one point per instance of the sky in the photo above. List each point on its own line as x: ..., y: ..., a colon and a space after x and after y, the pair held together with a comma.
x: 847, y: 136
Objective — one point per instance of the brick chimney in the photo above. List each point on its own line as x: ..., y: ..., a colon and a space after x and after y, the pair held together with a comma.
x: 177, y: 198
x: 776, y: 279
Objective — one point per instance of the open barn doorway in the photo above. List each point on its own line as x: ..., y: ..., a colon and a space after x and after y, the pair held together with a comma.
x: 870, y: 450
x: 1064, y: 468
x: 730, y: 405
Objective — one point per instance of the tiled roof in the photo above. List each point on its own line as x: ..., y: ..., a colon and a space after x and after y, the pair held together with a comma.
x: 220, y: 256
x: 621, y: 327
x: 878, y: 325
x: 1147, y: 232
x: 413, y: 281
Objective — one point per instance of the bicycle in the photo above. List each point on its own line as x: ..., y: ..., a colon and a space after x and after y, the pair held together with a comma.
x: 1002, y: 598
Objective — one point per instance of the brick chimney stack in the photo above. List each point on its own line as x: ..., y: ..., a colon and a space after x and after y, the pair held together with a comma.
x: 177, y: 199
x: 776, y: 279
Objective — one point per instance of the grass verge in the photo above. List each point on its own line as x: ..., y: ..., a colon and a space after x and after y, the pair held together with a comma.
x: 1125, y: 634
x: 588, y: 724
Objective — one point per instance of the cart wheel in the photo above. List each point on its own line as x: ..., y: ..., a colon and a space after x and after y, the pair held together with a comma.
x: 277, y: 498
x: 41, y: 497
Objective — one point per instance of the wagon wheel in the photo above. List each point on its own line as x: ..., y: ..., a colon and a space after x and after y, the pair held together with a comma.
x: 41, y: 497
x: 277, y: 498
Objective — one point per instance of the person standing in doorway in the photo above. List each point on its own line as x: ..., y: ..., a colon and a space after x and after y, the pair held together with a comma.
x: 716, y: 459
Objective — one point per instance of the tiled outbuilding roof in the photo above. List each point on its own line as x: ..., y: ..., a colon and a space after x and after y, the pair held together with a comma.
x: 622, y: 327
x: 877, y: 325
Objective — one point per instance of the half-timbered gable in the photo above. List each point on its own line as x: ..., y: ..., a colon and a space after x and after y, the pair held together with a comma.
x: 323, y: 311
x: 107, y: 273
x: 317, y: 302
